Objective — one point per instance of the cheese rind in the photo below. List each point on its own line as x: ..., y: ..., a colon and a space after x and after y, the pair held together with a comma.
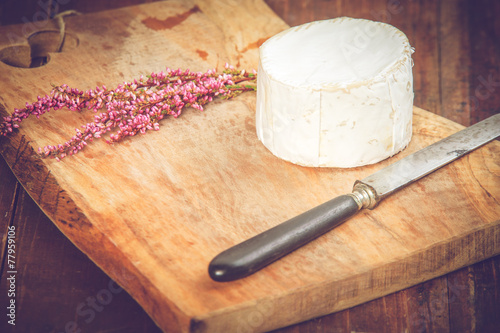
x: 335, y: 93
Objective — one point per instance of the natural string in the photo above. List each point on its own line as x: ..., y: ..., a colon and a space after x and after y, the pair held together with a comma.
x: 62, y: 26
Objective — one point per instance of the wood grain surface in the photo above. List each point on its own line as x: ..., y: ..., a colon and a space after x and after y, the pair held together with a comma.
x: 472, y: 244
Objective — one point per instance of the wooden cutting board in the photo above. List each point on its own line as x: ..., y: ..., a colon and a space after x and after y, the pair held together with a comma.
x: 153, y: 211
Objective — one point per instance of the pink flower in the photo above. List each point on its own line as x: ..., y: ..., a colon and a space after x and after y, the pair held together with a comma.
x: 133, y: 107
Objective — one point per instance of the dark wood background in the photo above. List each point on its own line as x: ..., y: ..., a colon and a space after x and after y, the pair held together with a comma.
x: 456, y: 75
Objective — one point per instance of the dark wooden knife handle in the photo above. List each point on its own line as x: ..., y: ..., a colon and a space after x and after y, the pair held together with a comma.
x: 255, y: 253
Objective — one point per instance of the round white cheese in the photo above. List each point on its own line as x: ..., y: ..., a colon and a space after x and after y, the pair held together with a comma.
x: 335, y: 93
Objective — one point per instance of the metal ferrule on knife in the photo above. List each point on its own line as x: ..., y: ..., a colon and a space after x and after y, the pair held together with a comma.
x: 364, y: 195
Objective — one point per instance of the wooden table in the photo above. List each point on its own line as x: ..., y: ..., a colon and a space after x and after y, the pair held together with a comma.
x: 457, y: 75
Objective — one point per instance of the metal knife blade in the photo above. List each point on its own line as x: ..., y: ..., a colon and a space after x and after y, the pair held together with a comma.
x: 423, y: 162
x: 259, y: 251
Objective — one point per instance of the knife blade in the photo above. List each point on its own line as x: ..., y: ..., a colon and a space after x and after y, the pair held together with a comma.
x: 261, y: 250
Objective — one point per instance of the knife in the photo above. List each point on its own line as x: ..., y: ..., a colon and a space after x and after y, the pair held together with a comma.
x: 255, y: 253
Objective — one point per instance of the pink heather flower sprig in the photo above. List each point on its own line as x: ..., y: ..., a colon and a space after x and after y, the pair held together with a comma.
x: 134, y: 107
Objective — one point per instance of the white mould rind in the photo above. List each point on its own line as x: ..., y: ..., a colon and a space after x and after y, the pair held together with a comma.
x: 350, y: 108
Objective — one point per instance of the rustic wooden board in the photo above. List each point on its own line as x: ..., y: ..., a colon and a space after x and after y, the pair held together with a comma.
x: 154, y: 210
